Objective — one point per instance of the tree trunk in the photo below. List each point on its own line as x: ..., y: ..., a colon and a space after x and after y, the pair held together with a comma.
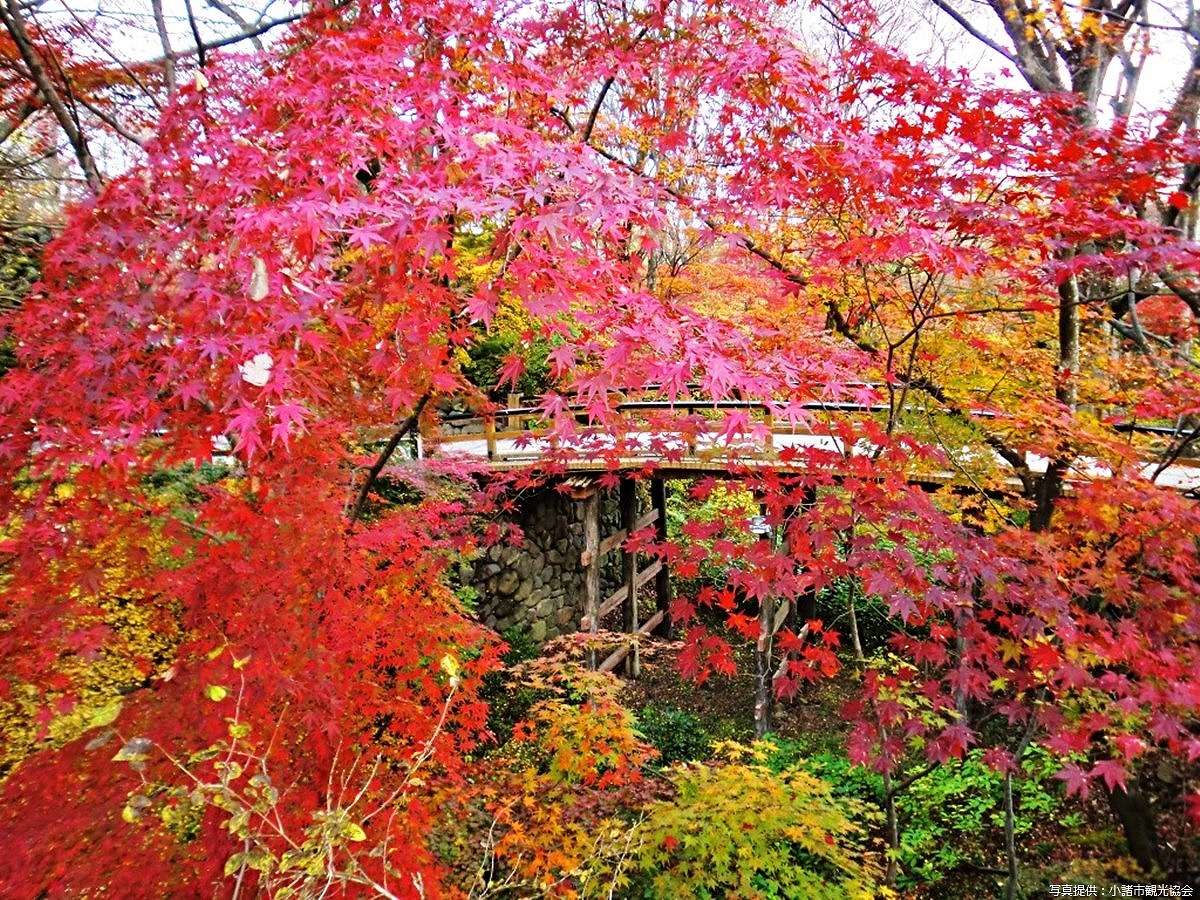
x: 1133, y: 811
x: 1010, y: 839
x: 765, y: 674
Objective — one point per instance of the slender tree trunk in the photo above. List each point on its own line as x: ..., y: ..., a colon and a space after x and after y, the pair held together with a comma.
x: 764, y: 673
x: 893, y: 829
x: 855, y: 638
x: 1010, y: 839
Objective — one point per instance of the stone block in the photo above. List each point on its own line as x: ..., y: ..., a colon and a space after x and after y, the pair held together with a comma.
x: 507, y: 583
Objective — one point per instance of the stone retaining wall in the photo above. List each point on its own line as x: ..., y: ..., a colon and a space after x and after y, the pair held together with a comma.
x: 537, y: 585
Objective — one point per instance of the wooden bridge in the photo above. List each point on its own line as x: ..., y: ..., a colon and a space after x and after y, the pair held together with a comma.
x: 679, y: 439
x: 695, y: 440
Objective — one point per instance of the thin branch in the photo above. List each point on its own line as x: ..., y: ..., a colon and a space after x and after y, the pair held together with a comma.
x: 591, y: 122
x: 129, y: 73
x: 14, y: 22
x: 748, y: 243
x: 899, y: 787
x: 250, y: 35
x: 604, y: 89
x: 164, y: 38
x: 233, y: 15
x: 109, y: 120
x: 974, y: 32
x: 1176, y: 452
x: 195, y: 529
x: 191, y: 17
x: 373, y: 473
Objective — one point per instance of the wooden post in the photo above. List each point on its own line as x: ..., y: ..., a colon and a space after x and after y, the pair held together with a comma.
x: 662, y: 581
x: 591, y: 571
x: 513, y: 423
x: 489, y: 433
x: 629, y: 623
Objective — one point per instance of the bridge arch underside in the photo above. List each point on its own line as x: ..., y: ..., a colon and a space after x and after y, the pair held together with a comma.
x: 563, y: 568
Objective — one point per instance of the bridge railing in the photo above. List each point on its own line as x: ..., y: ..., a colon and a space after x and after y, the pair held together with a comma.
x: 694, y: 431
x: 688, y: 420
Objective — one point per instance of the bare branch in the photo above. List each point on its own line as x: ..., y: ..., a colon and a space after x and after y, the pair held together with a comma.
x: 591, y: 122
x: 191, y: 17
x: 108, y: 119
x: 14, y: 22
x: 234, y: 16
x: 1181, y: 443
x: 249, y: 35
x: 974, y: 32
x: 107, y: 51
x: 160, y: 23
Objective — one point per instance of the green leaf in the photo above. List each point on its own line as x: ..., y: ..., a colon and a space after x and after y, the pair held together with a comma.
x: 216, y: 692
x: 234, y: 863
x: 104, y: 715
x: 353, y: 832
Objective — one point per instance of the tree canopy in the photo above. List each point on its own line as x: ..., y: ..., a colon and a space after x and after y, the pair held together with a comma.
x: 684, y: 196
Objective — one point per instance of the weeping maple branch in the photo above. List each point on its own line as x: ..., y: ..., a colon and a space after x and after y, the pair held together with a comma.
x: 373, y: 473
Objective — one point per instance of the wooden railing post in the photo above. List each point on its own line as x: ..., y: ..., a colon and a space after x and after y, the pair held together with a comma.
x: 513, y: 423
x: 489, y: 433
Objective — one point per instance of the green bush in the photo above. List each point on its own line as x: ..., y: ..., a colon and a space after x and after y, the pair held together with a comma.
x: 677, y: 735
x: 954, y: 814
x: 486, y: 359
x: 875, y: 624
x: 509, y: 702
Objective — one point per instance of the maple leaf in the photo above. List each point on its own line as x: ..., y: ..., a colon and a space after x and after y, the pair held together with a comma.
x: 1074, y: 779
x: 1112, y: 772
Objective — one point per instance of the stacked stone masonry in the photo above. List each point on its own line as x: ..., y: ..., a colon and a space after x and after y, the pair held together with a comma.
x: 536, y: 585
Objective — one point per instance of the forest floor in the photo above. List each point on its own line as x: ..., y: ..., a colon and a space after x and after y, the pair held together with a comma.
x: 1075, y: 841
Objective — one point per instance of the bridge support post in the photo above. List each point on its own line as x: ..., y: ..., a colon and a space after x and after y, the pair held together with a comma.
x: 629, y: 617
x: 591, y: 574
x: 513, y: 423
x: 489, y: 434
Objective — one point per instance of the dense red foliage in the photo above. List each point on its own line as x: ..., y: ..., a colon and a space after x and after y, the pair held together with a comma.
x: 287, y: 270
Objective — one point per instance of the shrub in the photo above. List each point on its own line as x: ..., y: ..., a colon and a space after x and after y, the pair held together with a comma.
x: 677, y: 735
x: 954, y: 814
x: 741, y: 830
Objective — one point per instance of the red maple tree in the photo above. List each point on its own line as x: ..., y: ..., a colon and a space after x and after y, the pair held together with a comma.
x: 288, y: 272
